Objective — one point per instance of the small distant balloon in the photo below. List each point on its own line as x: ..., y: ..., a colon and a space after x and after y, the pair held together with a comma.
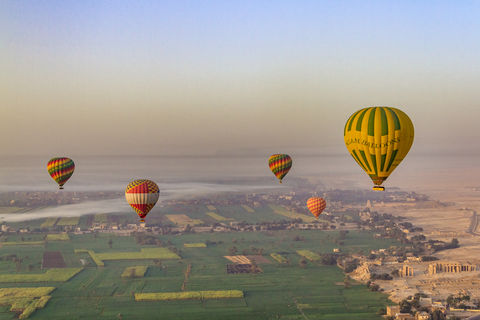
x: 60, y: 169
x: 280, y: 164
x: 316, y: 206
x: 142, y: 195
x: 378, y: 138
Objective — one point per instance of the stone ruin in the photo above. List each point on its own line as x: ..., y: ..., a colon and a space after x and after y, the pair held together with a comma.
x: 450, y: 267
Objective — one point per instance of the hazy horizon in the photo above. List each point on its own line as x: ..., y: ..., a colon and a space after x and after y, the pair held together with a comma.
x: 94, y: 173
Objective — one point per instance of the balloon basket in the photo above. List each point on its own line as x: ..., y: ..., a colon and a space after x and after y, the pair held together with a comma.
x: 142, y: 221
x: 61, y: 187
x: 378, y: 188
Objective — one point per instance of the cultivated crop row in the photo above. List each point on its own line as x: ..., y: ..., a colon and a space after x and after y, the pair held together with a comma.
x: 189, y: 295
x: 312, y: 256
x: 25, y: 300
x: 278, y: 257
x: 134, y: 272
x: 53, y: 274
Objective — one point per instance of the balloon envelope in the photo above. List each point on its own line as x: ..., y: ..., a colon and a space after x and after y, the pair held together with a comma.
x: 316, y: 206
x: 378, y: 138
x: 280, y: 164
x: 61, y: 169
x: 142, y: 195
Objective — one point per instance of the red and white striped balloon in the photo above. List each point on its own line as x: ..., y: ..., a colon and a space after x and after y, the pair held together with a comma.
x: 142, y: 195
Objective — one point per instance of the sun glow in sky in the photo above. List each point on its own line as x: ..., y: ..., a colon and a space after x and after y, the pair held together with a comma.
x: 232, y: 77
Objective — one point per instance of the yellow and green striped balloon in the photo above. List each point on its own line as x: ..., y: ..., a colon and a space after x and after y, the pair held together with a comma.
x: 378, y: 138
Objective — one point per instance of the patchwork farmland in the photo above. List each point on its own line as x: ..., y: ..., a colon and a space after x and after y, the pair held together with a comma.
x: 291, y: 215
x: 143, y: 254
x: 195, y: 245
x: 217, y: 217
x: 312, y: 256
x: 129, y: 280
x: 25, y: 301
x: 278, y: 257
x: 53, y: 259
x: 134, y: 272
x: 49, y: 222
x: 57, y: 237
x: 68, y: 221
x: 239, y: 259
x: 52, y: 274
x: 183, y: 219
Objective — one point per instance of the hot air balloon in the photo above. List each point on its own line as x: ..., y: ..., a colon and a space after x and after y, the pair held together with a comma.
x: 280, y: 164
x: 378, y: 138
x: 60, y: 169
x: 316, y: 205
x: 142, y: 195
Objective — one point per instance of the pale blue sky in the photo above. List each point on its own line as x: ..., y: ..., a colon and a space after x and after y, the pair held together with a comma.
x: 163, y: 77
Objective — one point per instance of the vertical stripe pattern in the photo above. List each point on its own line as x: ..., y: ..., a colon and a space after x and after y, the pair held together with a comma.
x: 142, y: 195
x: 61, y: 169
x: 378, y: 138
x: 280, y: 164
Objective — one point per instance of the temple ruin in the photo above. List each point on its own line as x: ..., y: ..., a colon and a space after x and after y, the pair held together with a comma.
x: 406, y: 271
x: 438, y: 267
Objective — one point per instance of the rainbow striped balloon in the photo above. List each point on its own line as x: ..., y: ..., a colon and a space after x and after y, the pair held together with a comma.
x: 142, y: 195
x: 61, y: 169
x: 316, y: 205
x: 280, y: 164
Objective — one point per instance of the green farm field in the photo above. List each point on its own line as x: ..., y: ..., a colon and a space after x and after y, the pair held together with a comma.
x: 57, y: 237
x: 102, y: 293
x: 227, y: 214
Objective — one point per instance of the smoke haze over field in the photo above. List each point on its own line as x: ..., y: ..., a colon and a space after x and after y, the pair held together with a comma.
x: 167, y: 191
x: 94, y: 173
x: 187, y: 177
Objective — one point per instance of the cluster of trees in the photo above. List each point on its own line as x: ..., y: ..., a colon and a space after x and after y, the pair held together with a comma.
x: 372, y: 286
x: 18, y: 261
x: 186, y: 276
x: 410, y: 227
x: 412, y: 303
x: 212, y: 243
x: 147, y: 239
x: 418, y: 238
x: 277, y: 225
x: 459, y: 301
x: 383, y: 276
x: 302, y: 262
x: 351, y: 265
x: 428, y: 258
x: 328, y: 259
x: 439, y: 245
x: 252, y: 250
x: 232, y: 250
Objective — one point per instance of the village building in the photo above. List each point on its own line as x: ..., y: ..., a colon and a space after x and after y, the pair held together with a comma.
x: 404, y: 316
x: 422, y: 316
x: 391, y: 311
